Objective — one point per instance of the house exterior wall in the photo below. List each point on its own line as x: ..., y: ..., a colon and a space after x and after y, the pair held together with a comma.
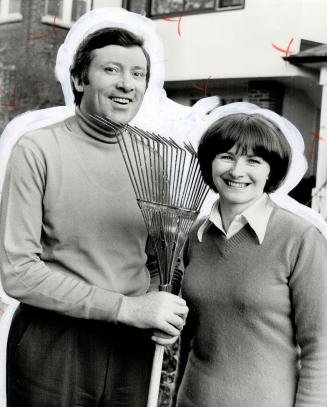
x: 238, y: 43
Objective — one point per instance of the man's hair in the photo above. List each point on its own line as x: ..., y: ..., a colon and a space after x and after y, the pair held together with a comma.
x: 99, y: 39
x: 250, y: 134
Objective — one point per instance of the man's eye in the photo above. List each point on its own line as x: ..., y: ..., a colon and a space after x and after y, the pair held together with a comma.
x: 139, y: 74
x: 111, y: 69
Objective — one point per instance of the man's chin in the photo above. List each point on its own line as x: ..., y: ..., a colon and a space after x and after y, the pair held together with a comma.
x: 122, y: 118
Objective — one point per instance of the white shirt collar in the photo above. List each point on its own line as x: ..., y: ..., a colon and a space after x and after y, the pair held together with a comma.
x: 257, y: 216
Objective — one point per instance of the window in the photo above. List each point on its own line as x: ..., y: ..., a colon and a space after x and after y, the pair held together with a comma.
x: 10, y: 11
x: 159, y: 8
x: 7, y: 87
x: 230, y: 3
x: 64, y: 12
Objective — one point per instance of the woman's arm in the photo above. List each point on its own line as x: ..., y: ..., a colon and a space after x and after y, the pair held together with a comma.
x: 308, y: 284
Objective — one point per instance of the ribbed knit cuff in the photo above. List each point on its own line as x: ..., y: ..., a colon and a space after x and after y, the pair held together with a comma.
x: 105, y: 305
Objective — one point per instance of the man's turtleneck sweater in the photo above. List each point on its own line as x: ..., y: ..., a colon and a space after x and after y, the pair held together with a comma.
x: 72, y: 235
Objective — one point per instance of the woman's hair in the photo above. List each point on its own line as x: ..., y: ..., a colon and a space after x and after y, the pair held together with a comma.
x: 250, y: 133
x: 99, y: 39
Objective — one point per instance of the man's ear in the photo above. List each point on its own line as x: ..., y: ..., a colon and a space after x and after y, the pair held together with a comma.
x: 79, y: 85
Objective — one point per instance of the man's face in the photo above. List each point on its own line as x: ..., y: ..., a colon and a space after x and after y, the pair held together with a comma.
x: 117, y: 83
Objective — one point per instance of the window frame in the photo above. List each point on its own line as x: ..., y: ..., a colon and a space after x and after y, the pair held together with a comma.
x: 216, y: 8
x: 66, y: 20
x: 5, y: 16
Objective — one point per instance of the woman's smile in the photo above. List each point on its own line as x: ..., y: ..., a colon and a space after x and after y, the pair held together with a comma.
x: 234, y: 184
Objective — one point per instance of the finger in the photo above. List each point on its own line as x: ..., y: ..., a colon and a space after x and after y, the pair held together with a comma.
x: 169, y: 329
x: 182, y: 312
x: 176, y: 299
x: 160, y: 334
x: 164, y: 341
x: 176, y: 321
x: 183, y: 308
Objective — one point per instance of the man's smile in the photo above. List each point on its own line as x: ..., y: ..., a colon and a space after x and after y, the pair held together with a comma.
x: 120, y: 100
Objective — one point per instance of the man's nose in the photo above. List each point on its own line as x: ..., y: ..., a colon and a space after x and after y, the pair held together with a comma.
x: 126, y: 82
x: 238, y: 167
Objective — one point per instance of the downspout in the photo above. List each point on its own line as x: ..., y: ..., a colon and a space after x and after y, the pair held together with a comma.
x: 319, y: 194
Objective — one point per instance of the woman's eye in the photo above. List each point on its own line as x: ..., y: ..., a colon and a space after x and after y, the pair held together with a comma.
x: 225, y: 157
x: 254, y: 161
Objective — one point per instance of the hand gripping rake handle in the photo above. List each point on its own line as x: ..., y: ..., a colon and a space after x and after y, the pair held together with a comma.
x: 156, y: 365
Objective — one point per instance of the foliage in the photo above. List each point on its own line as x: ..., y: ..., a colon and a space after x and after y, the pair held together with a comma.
x: 168, y: 374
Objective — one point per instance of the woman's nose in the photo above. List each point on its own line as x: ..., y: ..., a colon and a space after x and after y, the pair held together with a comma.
x: 237, y: 169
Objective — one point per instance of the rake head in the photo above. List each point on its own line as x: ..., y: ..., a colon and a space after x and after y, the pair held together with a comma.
x: 168, y: 187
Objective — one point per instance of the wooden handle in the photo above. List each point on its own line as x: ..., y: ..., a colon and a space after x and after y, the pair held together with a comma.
x: 155, y: 376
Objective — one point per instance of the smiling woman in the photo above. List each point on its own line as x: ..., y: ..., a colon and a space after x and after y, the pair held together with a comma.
x: 241, y: 157
x: 240, y: 180
x: 254, y: 280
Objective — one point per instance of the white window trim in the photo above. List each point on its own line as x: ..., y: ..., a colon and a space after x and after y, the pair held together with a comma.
x: 5, y: 16
x: 65, y: 21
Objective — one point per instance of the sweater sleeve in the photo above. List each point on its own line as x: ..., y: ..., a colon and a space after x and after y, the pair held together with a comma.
x: 186, y: 335
x: 24, y: 275
x: 308, y: 284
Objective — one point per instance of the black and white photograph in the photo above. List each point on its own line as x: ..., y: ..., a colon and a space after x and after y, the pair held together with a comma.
x: 163, y: 203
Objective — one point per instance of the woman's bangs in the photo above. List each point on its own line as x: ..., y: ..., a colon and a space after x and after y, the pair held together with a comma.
x: 249, y: 139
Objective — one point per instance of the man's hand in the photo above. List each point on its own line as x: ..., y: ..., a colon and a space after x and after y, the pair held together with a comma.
x: 163, y: 339
x: 159, y: 311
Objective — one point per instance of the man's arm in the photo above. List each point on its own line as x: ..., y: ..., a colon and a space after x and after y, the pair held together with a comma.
x: 27, y: 278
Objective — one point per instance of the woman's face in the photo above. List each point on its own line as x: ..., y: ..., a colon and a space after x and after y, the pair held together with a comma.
x: 240, y: 179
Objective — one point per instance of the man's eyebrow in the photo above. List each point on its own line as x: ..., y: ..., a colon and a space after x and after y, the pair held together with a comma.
x: 109, y: 61
x: 140, y: 67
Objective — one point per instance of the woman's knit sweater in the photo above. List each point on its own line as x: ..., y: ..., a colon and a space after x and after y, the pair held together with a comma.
x: 250, y: 306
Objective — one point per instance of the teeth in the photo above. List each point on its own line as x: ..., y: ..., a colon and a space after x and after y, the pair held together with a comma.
x: 236, y: 184
x: 120, y: 100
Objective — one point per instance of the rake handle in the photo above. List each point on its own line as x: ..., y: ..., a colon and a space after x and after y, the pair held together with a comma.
x: 155, y: 376
x: 157, y: 364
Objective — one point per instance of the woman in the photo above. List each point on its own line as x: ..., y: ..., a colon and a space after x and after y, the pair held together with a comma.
x: 255, y: 278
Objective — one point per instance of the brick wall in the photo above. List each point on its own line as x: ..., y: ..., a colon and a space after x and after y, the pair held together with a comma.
x: 266, y: 94
x: 31, y: 47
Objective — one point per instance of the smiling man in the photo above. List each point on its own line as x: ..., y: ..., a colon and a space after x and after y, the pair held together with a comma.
x: 73, y: 247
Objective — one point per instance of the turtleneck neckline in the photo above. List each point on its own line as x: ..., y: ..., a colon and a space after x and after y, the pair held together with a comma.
x: 94, y: 128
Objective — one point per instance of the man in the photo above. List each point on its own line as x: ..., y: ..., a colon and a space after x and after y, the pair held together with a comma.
x: 73, y: 247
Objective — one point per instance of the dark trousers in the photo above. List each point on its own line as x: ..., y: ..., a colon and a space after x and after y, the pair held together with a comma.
x: 58, y: 361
